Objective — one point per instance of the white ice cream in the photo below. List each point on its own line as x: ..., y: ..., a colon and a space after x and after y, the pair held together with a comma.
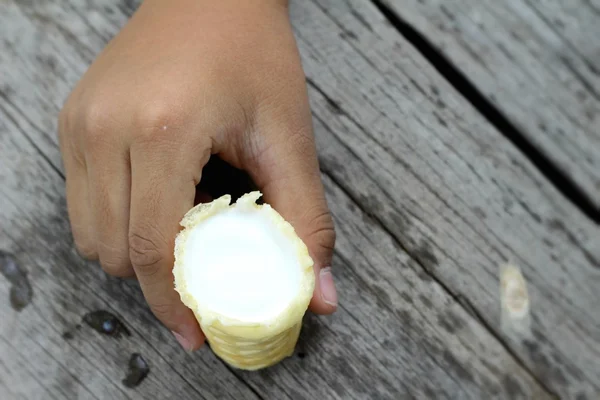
x: 239, y: 265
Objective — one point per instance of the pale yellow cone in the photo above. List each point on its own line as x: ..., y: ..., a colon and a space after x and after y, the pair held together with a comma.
x: 245, y: 345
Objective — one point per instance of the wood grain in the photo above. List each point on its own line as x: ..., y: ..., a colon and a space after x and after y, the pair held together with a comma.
x: 380, y: 335
x: 35, y: 229
x: 458, y: 197
x: 428, y: 199
x: 537, y: 61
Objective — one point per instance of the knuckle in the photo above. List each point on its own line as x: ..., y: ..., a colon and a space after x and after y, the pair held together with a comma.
x: 116, y: 265
x: 95, y: 125
x: 155, y: 119
x: 95, y: 116
x: 144, y: 252
x: 322, y: 229
x: 162, y: 311
x: 86, y: 249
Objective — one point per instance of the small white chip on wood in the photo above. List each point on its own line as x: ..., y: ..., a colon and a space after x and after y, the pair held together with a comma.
x: 514, y: 299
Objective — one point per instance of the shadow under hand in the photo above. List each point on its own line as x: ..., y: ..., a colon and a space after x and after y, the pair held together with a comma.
x: 311, y: 332
x: 220, y: 178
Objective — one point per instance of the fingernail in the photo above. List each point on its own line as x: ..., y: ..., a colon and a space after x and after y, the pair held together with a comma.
x: 182, y: 341
x: 328, y: 292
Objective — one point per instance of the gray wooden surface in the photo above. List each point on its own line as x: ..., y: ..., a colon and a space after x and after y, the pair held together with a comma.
x: 537, y: 61
x: 429, y: 200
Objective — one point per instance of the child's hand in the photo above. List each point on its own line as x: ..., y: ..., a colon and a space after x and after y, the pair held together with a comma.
x: 184, y: 79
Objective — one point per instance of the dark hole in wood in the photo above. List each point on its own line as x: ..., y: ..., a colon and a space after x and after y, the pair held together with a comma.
x: 21, y: 291
x: 106, y: 323
x: 68, y: 335
x: 137, y: 371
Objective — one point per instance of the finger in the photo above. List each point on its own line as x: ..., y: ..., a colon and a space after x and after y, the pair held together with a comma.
x: 288, y: 175
x: 109, y: 197
x: 201, y: 197
x: 162, y: 191
x: 78, y: 208
x: 78, y: 205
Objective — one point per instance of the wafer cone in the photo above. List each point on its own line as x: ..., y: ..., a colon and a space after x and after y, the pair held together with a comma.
x: 247, y: 345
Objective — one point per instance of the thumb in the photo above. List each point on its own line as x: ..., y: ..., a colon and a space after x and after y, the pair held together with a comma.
x: 287, y: 173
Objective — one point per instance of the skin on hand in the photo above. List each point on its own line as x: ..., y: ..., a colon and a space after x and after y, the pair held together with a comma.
x: 183, y: 80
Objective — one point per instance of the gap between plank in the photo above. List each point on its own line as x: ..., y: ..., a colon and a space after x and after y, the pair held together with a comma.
x: 60, y: 174
x: 24, y: 132
x: 464, y: 302
x: 558, y: 178
x: 242, y: 380
x: 460, y: 299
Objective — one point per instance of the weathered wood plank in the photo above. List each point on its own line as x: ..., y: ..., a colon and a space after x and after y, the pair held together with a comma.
x: 536, y: 61
x: 379, y: 345
x: 455, y: 364
x: 456, y: 195
x: 467, y: 361
x: 35, y: 229
x: 29, y: 363
x: 15, y: 370
x: 38, y: 363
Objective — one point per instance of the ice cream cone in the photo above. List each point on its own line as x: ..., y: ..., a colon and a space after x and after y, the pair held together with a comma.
x: 247, y: 277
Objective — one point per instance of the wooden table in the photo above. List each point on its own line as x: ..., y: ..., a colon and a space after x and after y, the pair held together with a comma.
x: 454, y: 136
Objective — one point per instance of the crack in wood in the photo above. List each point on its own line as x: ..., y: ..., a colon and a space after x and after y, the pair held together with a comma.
x: 27, y: 136
x: 422, y: 265
x: 460, y: 299
x: 558, y: 178
x: 243, y: 381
